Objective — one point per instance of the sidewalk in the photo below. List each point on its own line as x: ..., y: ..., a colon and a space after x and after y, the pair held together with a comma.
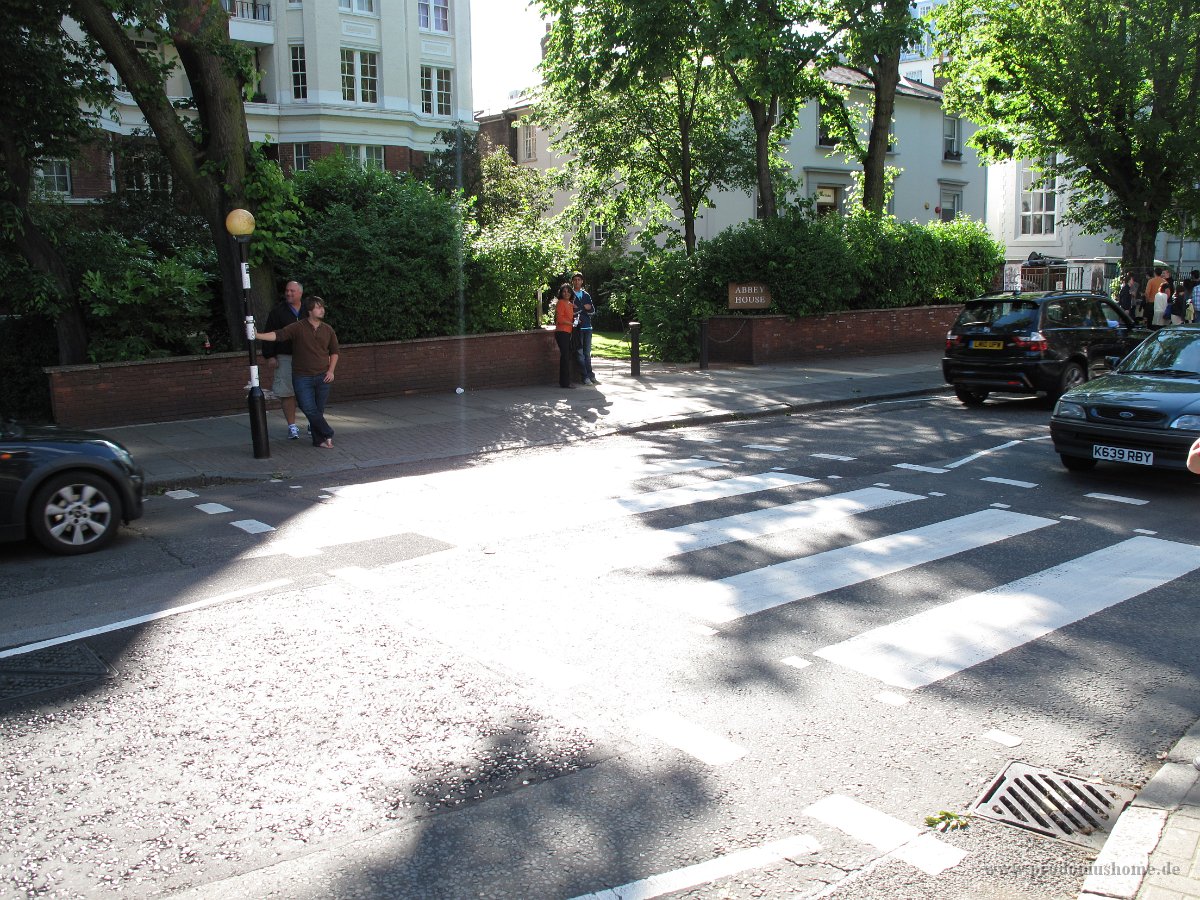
x: 1154, y: 849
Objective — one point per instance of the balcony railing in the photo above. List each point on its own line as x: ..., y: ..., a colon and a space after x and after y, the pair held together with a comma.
x: 255, y: 10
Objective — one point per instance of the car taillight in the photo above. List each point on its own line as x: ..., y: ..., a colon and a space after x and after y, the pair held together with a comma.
x: 953, y: 340
x: 1036, y: 341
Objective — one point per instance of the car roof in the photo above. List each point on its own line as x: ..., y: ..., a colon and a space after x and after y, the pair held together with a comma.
x: 1035, y: 296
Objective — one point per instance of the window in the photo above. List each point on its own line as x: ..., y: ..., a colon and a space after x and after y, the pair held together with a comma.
x: 828, y: 199
x: 1039, y: 202
x: 528, y: 142
x: 951, y: 204
x: 299, y: 73
x: 824, y: 138
x: 300, y: 157
x: 434, y: 15
x: 951, y: 137
x: 54, y: 176
x: 435, y: 91
x: 360, y: 76
x: 599, y: 236
x: 366, y: 155
x: 363, y: 7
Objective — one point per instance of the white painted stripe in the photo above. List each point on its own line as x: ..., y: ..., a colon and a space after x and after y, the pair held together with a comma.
x: 1003, y: 737
x: 709, y: 490
x: 253, y: 526
x: 939, y: 642
x: 1144, y: 531
x: 670, y: 466
x: 981, y: 453
x: 678, y: 732
x: 886, y: 833
x: 915, y: 468
x: 212, y: 508
x: 1069, y: 518
x: 834, y: 456
x: 772, y: 447
x: 929, y: 854
x: 751, y: 592
x: 181, y: 495
x: 1009, y: 481
x: 796, y: 662
x: 891, y: 699
x: 1116, y: 499
x: 710, y: 871
x: 150, y: 617
x: 703, y: 440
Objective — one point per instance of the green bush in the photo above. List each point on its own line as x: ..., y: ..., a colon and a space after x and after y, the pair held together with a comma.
x: 507, y: 261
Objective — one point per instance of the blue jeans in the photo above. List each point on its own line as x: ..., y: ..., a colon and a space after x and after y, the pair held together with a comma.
x: 585, y: 353
x: 311, y: 394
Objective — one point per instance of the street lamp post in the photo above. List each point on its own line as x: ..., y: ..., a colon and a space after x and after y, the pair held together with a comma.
x: 240, y: 225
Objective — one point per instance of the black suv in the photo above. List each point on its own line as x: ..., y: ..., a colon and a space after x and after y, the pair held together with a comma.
x: 1034, y: 342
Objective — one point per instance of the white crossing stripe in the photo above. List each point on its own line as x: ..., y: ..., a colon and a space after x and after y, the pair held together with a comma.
x: 751, y: 592
x: 253, y: 526
x: 772, y: 447
x: 678, y: 732
x: 671, y: 466
x: 709, y: 490
x: 939, y: 642
x: 1009, y: 481
x: 886, y: 833
x: 833, y: 456
x: 981, y: 453
x: 625, y: 549
x: 181, y: 495
x: 915, y: 468
x: 1118, y: 499
x: 712, y: 870
x: 212, y: 508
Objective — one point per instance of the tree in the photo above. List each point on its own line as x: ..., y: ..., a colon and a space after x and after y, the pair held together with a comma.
x: 871, y: 47
x: 49, y: 81
x: 1100, y: 93
x: 210, y: 156
x: 639, y: 108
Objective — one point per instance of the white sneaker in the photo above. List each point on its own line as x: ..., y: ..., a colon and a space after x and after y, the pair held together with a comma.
x: 293, y: 433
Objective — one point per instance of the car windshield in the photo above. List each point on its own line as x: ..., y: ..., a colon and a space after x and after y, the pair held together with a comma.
x: 1166, y: 352
x: 999, y: 315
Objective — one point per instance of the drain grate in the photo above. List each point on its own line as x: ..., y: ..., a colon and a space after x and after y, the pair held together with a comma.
x: 1064, y: 807
x: 66, y: 665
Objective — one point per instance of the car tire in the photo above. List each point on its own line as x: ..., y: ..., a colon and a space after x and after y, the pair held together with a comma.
x: 76, y: 512
x: 970, y: 396
x: 1077, y: 463
x: 1072, y: 375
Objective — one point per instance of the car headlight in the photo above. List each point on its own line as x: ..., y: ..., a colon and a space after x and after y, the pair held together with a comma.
x: 120, y: 453
x: 1064, y: 409
x: 1188, y: 423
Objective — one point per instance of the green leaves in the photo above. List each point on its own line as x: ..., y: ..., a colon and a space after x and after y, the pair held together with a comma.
x: 947, y: 821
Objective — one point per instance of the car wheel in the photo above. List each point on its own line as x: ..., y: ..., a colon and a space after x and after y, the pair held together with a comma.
x: 78, y: 512
x: 1072, y: 376
x: 970, y: 396
x: 1077, y: 463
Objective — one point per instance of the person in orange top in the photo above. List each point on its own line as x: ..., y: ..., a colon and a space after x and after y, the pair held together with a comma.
x: 564, y: 321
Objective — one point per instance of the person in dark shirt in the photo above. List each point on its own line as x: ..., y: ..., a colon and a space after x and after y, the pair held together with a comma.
x: 278, y: 357
x: 315, y: 354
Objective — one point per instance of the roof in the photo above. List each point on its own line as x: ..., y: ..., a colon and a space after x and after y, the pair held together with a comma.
x: 850, y: 78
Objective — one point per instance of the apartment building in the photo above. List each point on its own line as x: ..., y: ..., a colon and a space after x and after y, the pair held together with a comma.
x: 377, y: 80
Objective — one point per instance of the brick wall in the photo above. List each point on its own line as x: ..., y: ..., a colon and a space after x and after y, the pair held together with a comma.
x: 761, y: 340
x: 91, y: 174
x: 192, y: 387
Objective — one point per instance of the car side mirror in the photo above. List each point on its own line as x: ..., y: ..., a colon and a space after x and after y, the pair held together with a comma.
x: 1112, y: 361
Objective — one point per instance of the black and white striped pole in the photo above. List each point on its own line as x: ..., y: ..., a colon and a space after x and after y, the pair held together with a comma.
x: 240, y: 225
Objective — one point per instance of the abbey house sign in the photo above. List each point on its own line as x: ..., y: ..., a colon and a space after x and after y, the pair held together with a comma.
x: 749, y: 295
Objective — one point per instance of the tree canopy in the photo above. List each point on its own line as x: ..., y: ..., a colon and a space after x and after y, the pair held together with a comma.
x: 1101, y: 93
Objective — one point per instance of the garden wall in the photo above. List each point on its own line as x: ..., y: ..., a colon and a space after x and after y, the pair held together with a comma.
x: 193, y: 387
x: 761, y: 340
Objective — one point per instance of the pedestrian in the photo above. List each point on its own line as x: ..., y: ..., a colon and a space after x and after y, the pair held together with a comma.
x: 278, y: 356
x: 584, y: 308
x: 1179, y: 305
x: 314, y: 358
x: 1126, y: 298
x: 1152, y: 288
x: 1193, y: 462
x: 1161, y: 299
x: 564, y: 318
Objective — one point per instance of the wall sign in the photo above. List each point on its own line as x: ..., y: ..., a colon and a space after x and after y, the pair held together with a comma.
x: 749, y: 295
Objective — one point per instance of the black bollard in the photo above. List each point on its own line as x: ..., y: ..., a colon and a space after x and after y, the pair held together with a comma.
x: 704, y: 344
x: 635, y: 358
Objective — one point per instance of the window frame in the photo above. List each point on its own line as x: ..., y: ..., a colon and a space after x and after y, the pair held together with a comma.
x: 43, y: 179
x: 357, y: 86
x: 1036, y: 203
x: 299, y: 155
x: 428, y: 16
x: 300, y: 73
x: 952, y: 138
x: 359, y: 7
x: 528, y: 142
x: 433, y: 78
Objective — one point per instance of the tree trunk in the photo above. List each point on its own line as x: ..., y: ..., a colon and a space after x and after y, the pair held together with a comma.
x: 761, y: 115
x: 1138, y: 240
x: 886, y: 77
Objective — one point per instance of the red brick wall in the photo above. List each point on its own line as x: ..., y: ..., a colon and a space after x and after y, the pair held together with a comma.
x: 91, y: 174
x: 761, y: 340
x: 192, y: 387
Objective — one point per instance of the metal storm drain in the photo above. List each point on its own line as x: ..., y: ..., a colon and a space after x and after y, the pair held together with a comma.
x: 1055, y: 805
x: 66, y: 665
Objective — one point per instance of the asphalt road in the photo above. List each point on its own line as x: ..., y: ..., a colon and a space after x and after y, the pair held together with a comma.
x: 735, y: 661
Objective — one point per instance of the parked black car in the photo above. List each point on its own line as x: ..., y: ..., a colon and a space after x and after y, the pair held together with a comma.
x: 1034, y: 342
x: 1147, y: 412
x: 71, y: 490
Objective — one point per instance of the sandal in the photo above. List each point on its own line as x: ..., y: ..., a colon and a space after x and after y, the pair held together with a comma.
x: 326, y: 444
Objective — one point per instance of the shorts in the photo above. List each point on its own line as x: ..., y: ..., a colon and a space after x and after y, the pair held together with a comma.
x: 281, y: 386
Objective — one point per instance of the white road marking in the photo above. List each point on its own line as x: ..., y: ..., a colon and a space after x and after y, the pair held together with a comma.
x: 712, y: 870
x: 702, y: 440
x: 253, y: 526
x: 678, y: 732
x: 1146, y: 531
x: 981, y: 453
x: 181, y: 495
x: 912, y: 467
x: 212, y: 508
x: 709, y: 490
x: 1116, y: 499
x: 772, y: 447
x: 882, y: 484
x: 149, y: 617
x: 671, y: 466
x: 1069, y: 518
x: 939, y: 642
x: 1003, y: 737
x: 936, y: 494
x: 1000, y: 506
x: 1009, y: 481
x: 886, y: 833
x: 760, y: 589
x: 891, y: 699
x: 834, y: 456
x: 796, y: 662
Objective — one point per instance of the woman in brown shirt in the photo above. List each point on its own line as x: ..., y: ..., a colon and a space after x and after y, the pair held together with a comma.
x: 314, y: 359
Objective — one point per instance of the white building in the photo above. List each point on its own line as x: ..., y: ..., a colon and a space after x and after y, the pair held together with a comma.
x: 376, y: 79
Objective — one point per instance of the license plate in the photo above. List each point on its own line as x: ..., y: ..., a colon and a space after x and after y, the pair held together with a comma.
x: 1120, y: 454
x: 987, y: 345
